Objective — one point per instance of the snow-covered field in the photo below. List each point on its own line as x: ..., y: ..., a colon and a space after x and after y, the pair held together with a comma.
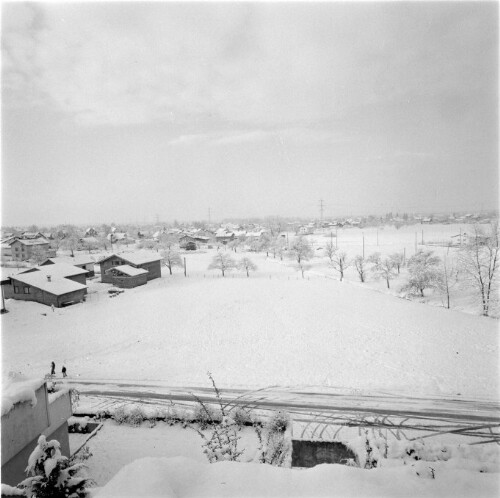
x: 118, y: 449
x: 272, y: 328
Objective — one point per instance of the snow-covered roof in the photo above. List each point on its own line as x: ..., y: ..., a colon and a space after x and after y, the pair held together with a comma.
x: 128, y: 270
x: 79, y: 259
x: 18, y: 390
x: 55, y: 286
x: 58, y: 270
x: 136, y: 258
x: 30, y: 242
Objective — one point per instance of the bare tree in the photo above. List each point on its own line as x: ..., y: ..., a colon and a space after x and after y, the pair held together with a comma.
x: 385, y: 269
x: 447, y: 280
x: 234, y: 244
x: 38, y: 255
x: 423, y: 270
x: 479, y: 260
x: 223, y: 262
x: 70, y: 243
x: 330, y: 251
x: 360, y: 265
x: 397, y: 259
x: 301, y: 250
x: 171, y: 258
x: 303, y: 267
x: 247, y: 265
x: 340, y: 263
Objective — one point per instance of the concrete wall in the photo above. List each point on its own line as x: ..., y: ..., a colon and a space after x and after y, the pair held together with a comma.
x: 24, y: 424
x: 312, y: 453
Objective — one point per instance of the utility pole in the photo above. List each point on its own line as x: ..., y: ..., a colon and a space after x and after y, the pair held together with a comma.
x: 336, y: 238
x: 209, y: 221
x: 415, y: 242
x: 363, y: 245
x: 321, y: 210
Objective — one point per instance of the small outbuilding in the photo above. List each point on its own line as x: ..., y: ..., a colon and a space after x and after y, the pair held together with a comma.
x: 127, y: 277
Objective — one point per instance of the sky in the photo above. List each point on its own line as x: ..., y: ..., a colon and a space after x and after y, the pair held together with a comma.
x: 129, y: 112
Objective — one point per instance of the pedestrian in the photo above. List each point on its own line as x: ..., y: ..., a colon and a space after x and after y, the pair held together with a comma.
x: 52, y: 306
x: 64, y: 371
x: 52, y: 368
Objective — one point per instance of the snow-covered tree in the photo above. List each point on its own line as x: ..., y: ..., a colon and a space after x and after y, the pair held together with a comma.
x: 360, y: 265
x: 479, y: 260
x: 384, y: 268
x: 397, y: 260
x: 246, y: 264
x: 70, y: 243
x: 223, y: 262
x: 447, y: 279
x: 38, y: 255
x: 330, y: 251
x: 340, y: 263
x: 51, y: 474
x: 423, y: 271
x: 171, y: 258
x: 301, y: 250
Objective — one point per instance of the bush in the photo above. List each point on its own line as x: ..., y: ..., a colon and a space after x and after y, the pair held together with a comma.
x: 279, y: 422
x: 120, y: 415
x: 241, y: 416
x: 135, y: 416
x: 52, y: 475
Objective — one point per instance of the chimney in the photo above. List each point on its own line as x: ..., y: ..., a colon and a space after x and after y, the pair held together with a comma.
x: 48, y: 278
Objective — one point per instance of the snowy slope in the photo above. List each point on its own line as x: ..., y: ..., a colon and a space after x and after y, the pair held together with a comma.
x: 272, y: 328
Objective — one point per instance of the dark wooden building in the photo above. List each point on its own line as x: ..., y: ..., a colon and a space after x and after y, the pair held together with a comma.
x: 149, y: 261
x: 57, y: 284
x: 127, y: 277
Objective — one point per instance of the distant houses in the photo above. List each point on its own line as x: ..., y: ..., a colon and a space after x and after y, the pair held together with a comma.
x: 149, y: 261
x: 57, y: 284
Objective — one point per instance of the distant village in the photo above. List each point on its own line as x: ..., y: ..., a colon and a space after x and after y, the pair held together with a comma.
x: 52, y: 266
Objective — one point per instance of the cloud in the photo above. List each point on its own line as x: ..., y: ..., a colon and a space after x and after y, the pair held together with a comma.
x: 253, y: 64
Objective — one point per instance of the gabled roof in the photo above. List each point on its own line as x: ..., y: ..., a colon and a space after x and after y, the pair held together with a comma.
x: 135, y: 258
x: 79, y: 259
x: 57, y: 270
x: 58, y: 284
x: 30, y: 242
x: 128, y: 270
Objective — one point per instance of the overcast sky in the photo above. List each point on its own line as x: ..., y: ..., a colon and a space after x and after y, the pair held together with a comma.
x: 125, y: 111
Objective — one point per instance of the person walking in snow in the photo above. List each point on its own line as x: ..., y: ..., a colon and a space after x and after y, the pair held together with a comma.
x: 52, y: 368
x: 64, y: 371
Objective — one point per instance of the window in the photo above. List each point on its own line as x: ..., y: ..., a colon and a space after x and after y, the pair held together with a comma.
x: 27, y: 290
x: 17, y: 249
x: 16, y: 289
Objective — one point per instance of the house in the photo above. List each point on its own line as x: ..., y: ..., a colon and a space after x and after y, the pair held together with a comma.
x: 127, y: 277
x: 58, y: 284
x: 150, y: 261
x: 120, y: 237
x: 224, y: 236
x: 29, y: 411
x: 25, y: 249
x: 195, y: 239
x: 80, y: 261
x: 91, y: 232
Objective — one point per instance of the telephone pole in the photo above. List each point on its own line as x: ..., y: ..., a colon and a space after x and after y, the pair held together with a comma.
x: 321, y: 208
x: 209, y: 222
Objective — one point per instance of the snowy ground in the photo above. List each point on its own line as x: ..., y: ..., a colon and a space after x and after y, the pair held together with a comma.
x: 168, y: 461
x: 272, y: 328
